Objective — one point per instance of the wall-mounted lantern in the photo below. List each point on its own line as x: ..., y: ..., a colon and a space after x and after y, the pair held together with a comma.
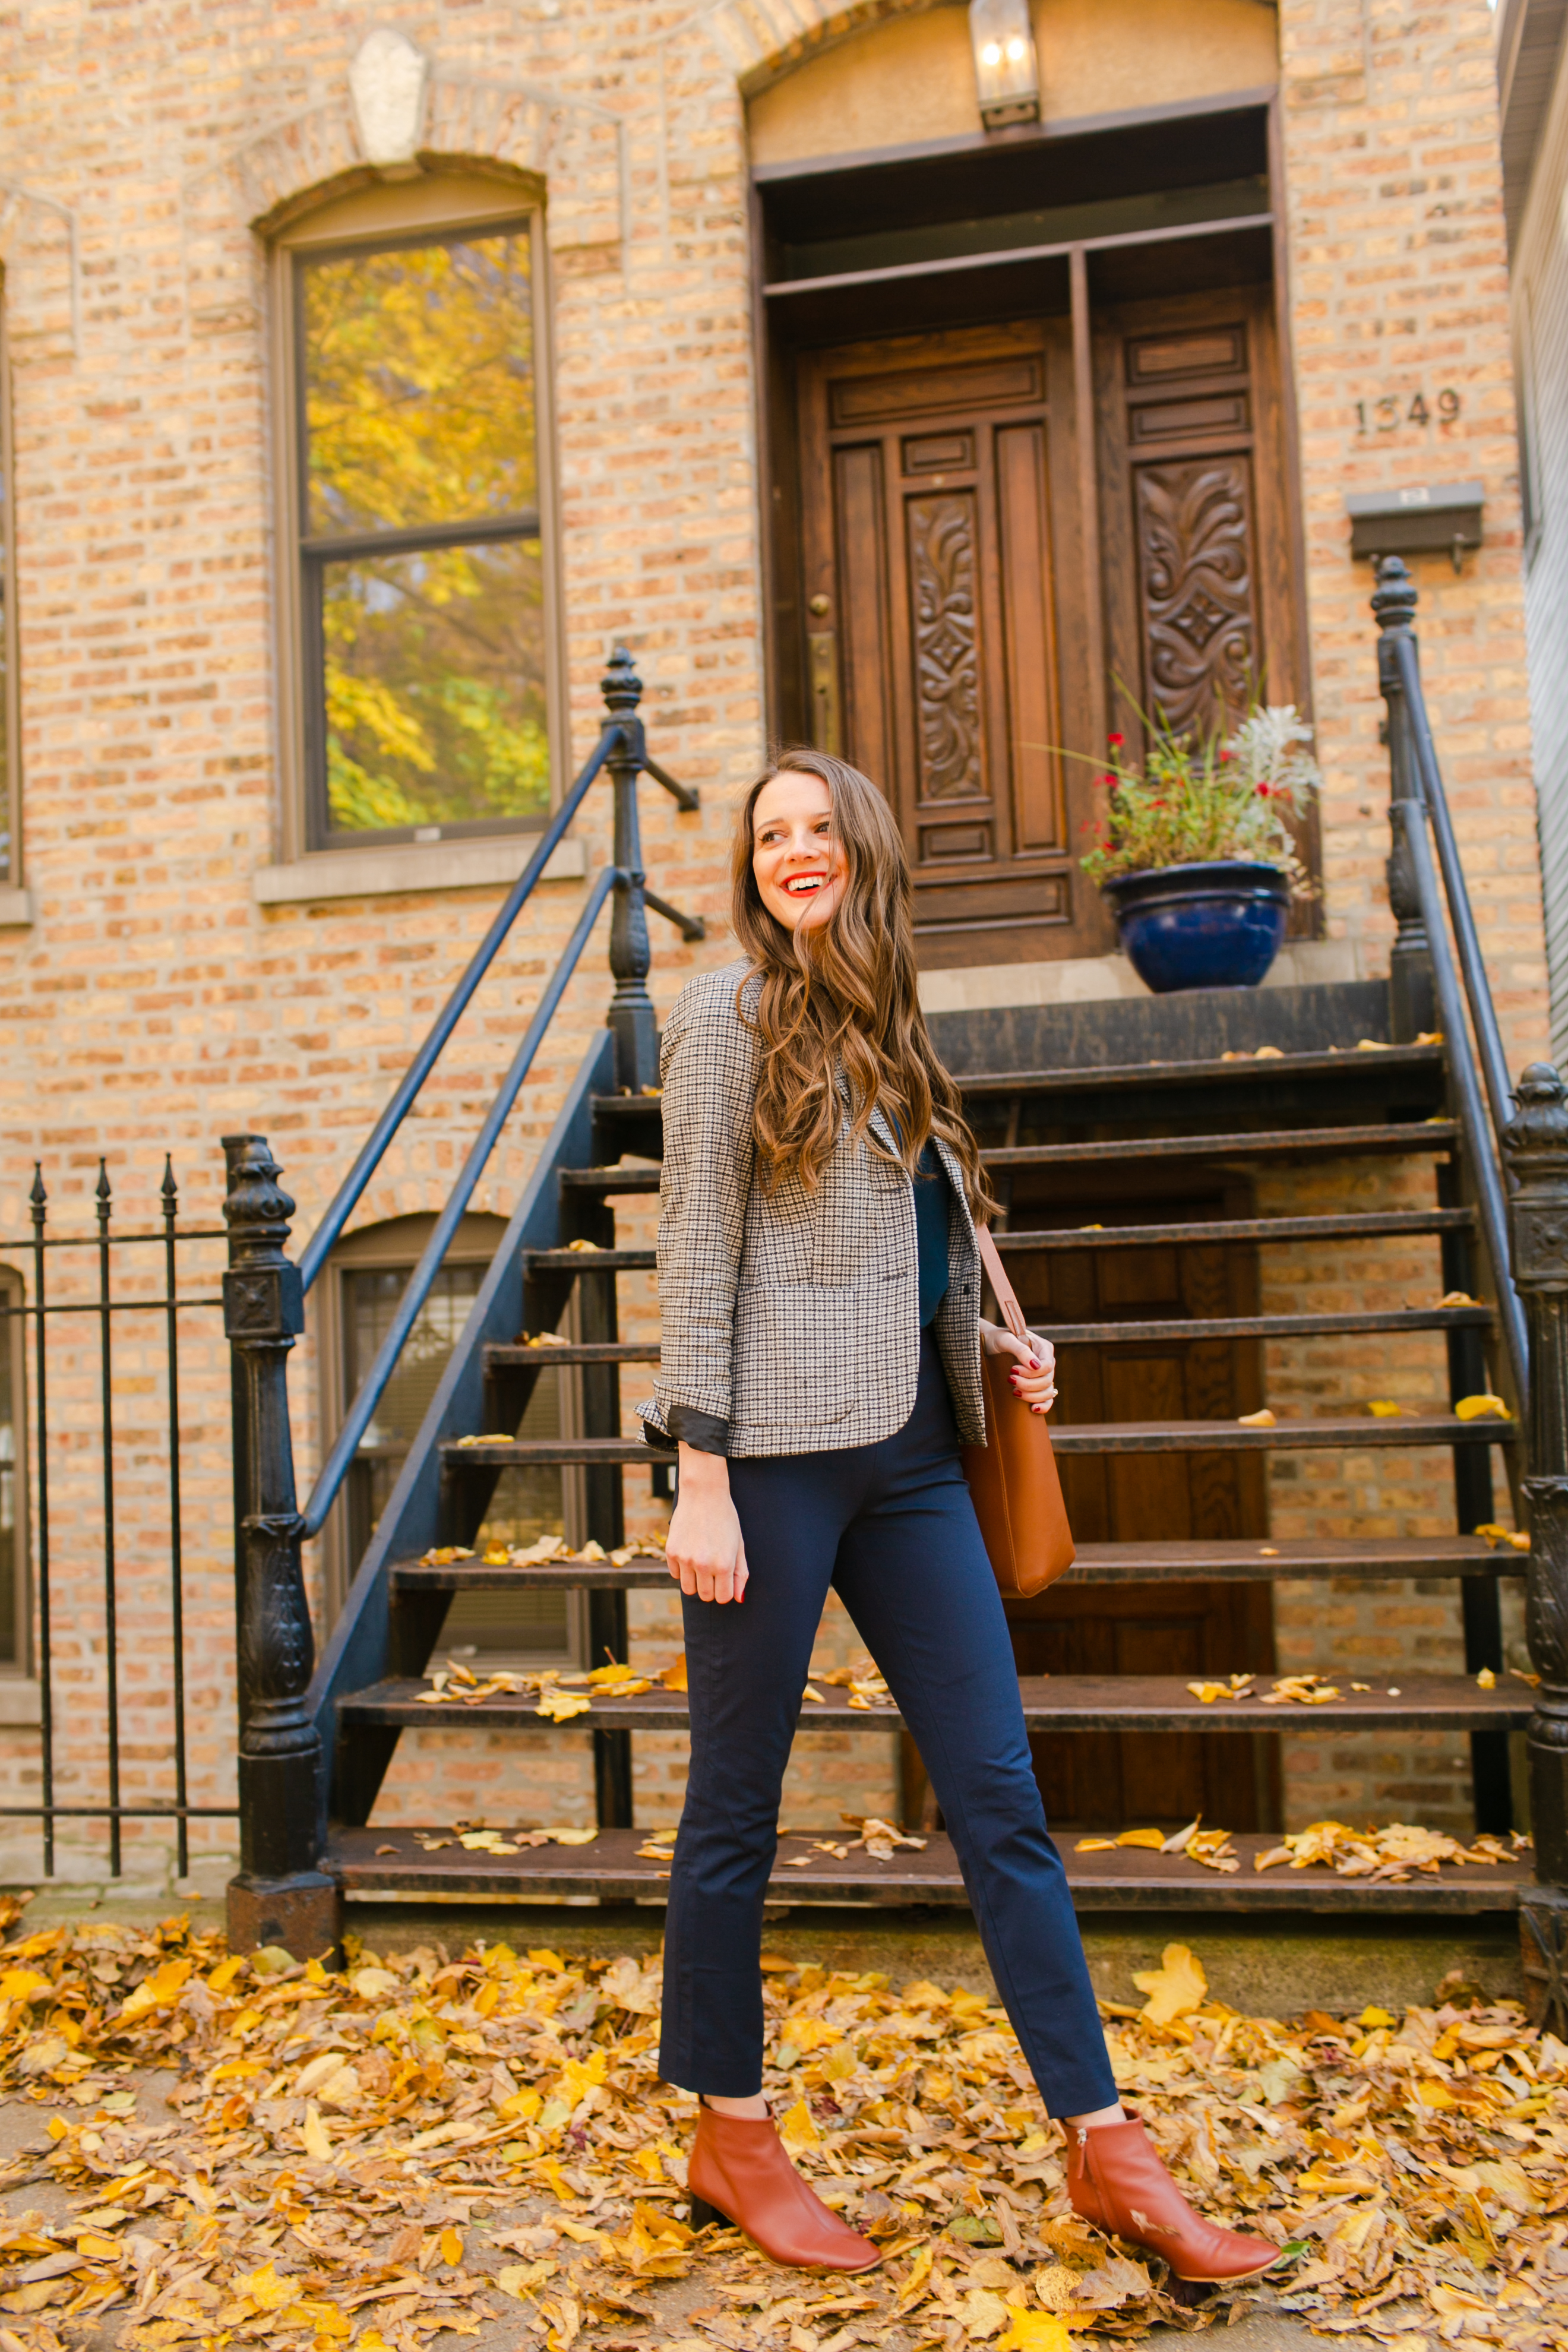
x: 1006, y: 70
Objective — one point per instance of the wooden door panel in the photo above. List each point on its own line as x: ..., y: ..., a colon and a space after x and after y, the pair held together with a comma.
x: 1113, y: 1781
x: 938, y: 529
x: 941, y: 534
x: 861, y: 516
x: 1028, y: 620
x: 1195, y: 531
x: 1177, y: 437
x: 1200, y: 595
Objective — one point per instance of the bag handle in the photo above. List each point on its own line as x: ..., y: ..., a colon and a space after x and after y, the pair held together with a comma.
x: 1006, y: 1296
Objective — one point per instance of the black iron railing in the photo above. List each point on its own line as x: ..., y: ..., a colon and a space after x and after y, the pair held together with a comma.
x: 1433, y: 987
x: 280, y: 1896
x: 1515, y: 1147
x: 104, y: 1303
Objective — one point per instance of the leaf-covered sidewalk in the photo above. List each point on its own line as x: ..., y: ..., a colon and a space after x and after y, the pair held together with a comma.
x: 429, y: 2144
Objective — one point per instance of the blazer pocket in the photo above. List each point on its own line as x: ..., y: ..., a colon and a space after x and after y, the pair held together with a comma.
x: 795, y: 1362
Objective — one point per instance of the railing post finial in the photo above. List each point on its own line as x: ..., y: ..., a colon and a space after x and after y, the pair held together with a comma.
x: 631, y: 1015
x: 1535, y: 1145
x: 1412, y: 1000
x: 620, y: 686
x: 278, y: 1896
x: 1395, y: 598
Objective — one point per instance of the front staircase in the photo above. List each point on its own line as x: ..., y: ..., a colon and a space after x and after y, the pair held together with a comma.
x: 1152, y: 1099
x: 1341, y: 1102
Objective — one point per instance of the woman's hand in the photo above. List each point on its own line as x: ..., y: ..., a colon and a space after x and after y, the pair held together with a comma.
x: 1034, y: 1376
x: 704, y: 1547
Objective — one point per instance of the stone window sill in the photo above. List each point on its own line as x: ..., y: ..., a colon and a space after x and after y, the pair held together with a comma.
x: 16, y: 909
x: 21, y: 1701
x: 411, y: 866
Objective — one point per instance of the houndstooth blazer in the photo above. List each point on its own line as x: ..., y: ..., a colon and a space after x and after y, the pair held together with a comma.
x: 791, y: 1319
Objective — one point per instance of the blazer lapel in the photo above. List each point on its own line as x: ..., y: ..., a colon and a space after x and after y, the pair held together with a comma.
x: 882, y: 1131
x: 955, y: 1172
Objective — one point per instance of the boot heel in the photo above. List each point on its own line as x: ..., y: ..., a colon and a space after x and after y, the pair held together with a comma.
x: 705, y: 2216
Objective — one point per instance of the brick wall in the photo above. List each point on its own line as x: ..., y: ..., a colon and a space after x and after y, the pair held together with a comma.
x: 1398, y: 287
x: 154, y: 1005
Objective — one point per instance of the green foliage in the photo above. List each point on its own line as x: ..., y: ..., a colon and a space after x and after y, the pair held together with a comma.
x: 1200, y: 797
x: 419, y: 399
x: 420, y: 412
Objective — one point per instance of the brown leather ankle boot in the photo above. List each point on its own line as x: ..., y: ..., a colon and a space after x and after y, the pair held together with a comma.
x: 739, y: 2172
x: 1117, y: 2179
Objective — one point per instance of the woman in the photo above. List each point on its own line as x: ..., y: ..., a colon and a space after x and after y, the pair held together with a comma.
x: 819, y: 1290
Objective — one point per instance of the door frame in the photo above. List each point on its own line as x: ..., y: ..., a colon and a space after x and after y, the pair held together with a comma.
x: 776, y: 343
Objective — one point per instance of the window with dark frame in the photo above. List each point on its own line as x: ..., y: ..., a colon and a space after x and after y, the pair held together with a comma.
x: 9, y: 813
x: 422, y: 585
x: 13, y: 1499
x: 527, y: 1503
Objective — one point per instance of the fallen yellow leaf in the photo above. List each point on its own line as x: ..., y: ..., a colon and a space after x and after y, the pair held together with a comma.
x: 559, y: 1706
x: 1153, y: 1839
x: 1263, y: 1420
x: 317, y: 2146
x: 1384, y: 1409
x: 1481, y: 1408
x: 797, y: 2130
x: 520, y: 2279
x: 1175, y: 1988
x: 1035, y: 2331
x: 266, y: 2290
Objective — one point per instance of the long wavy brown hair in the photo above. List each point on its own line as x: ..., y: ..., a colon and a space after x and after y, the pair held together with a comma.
x: 841, y: 994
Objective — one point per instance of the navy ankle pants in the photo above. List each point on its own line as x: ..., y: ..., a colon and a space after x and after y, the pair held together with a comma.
x: 891, y: 1527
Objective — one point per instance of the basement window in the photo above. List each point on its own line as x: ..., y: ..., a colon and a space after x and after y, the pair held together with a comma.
x: 13, y: 1478
x: 372, y: 1269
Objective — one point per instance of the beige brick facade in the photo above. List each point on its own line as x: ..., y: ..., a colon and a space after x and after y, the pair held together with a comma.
x: 152, y: 1004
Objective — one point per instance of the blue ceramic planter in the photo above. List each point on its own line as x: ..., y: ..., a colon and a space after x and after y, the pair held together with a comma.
x: 1211, y: 925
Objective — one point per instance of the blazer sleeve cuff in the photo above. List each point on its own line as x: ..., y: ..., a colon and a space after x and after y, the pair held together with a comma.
x: 705, y: 1432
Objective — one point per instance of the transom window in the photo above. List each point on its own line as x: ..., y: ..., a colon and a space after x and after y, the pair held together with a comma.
x: 422, y: 598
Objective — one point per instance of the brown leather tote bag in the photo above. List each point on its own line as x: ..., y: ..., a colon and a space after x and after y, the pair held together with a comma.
x: 1013, y: 1476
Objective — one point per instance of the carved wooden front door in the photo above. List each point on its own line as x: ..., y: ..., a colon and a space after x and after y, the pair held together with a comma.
x: 945, y: 646
x: 1195, y: 552
x: 947, y: 602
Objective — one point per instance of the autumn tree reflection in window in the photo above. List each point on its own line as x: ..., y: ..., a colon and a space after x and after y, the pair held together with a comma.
x: 420, y: 538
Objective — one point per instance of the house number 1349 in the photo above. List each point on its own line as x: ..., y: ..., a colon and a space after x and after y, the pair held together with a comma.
x: 1383, y: 415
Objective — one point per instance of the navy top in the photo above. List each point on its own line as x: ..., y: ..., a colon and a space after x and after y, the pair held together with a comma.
x: 933, y: 1196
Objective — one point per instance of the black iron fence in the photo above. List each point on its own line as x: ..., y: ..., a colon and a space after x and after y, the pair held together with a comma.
x: 72, y: 1306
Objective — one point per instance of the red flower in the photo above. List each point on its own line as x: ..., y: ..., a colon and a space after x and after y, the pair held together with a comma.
x: 1266, y: 791
x: 1224, y: 756
x: 1116, y: 741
